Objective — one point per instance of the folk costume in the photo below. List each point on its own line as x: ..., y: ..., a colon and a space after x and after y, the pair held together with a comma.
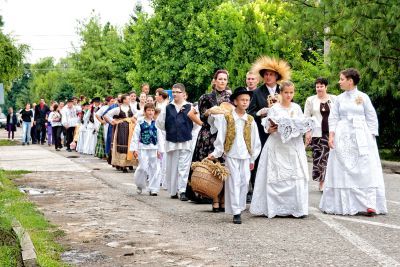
x: 260, y: 96
x: 281, y: 186
x: 354, y: 179
x: 205, y: 139
x: 238, y: 139
x: 178, y: 129
x: 146, y: 142
x: 108, y: 133
x: 122, y: 136
x: 319, y: 143
x: 92, y: 126
x: 101, y: 134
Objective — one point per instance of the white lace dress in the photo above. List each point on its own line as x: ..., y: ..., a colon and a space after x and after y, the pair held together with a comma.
x: 354, y: 179
x: 281, y: 186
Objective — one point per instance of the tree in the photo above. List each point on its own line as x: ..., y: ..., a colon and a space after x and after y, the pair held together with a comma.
x: 11, y: 58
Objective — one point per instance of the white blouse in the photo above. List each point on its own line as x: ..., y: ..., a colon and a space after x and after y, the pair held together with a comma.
x: 312, y: 109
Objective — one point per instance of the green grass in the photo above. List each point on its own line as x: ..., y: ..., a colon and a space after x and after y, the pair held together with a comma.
x: 387, y: 154
x: 15, y: 205
x: 6, y: 142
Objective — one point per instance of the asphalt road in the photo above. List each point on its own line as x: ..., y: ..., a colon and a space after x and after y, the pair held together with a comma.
x: 212, y: 239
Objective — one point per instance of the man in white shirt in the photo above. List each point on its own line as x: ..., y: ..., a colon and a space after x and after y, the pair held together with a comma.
x: 69, y: 120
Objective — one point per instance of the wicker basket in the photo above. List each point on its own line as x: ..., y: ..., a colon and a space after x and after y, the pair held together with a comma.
x: 205, y: 183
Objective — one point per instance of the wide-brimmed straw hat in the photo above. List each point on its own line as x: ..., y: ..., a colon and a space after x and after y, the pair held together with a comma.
x: 279, y: 66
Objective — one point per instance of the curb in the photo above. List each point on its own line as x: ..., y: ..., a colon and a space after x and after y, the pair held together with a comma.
x: 27, y: 248
x: 391, y: 166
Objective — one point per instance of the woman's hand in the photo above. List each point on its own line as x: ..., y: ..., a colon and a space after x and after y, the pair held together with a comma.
x: 331, y: 140
x: 308, y: 138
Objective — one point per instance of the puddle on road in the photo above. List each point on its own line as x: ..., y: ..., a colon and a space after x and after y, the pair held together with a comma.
x: 36, y: 191
x: 79, y: 256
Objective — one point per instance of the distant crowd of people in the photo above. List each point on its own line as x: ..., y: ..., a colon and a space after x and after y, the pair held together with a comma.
x: 257, y: 132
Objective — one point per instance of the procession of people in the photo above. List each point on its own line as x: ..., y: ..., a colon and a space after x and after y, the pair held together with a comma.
x: 258, y: 134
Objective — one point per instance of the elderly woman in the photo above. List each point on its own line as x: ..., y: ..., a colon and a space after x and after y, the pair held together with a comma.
x: 354, y: 180
x: 318, y: 107
x: 205, y: 140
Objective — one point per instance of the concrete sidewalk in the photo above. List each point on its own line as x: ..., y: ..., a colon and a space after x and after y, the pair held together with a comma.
x: 35, y: 158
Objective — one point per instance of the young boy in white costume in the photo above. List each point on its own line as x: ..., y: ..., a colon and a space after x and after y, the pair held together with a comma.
x: 178, y: 128
x: 238, y: 139
x: 146, y: 147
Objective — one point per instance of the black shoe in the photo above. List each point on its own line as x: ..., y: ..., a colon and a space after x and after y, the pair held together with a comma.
x: 221, y: 209
x: 69, y: 150
x: 174, y: 196
x: 237, y: 219
x: 183, y: 197
x: 125, y: 170
x: 153, y: 194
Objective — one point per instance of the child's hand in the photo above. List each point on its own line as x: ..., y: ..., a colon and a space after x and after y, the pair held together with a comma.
x: 135, y: 154
x: 272, y: 129
x: 158, y: 155
x: 251, y: 166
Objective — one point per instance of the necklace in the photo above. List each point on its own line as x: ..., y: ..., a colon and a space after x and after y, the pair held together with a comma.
x: 323, y: 106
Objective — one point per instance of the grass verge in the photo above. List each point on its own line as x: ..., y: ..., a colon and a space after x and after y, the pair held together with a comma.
x: 14, y: 204
x: 6, y: 142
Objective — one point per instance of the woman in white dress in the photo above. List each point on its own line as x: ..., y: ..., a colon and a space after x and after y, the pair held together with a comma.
x: 281, y: 185
x: 354, y: 180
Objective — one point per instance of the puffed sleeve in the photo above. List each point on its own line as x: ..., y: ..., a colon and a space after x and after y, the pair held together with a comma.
x: 160, y: 122
x: 220, y: 124
x: 134, y: 146
x: 308, y: 108
x: 111, y: 113
x: 255, y: 141
x: 203, y: 106
x: 334, y: 116
x: 370, y: 116
x: 161, y: 141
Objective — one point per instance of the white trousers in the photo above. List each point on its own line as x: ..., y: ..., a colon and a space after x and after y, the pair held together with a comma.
x: 148, y: 167
x: 162, y: 169
x: 236, y: 186
x: 178, y: 167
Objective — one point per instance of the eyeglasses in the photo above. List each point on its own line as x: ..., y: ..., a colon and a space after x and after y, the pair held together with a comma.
x: 176, y: 92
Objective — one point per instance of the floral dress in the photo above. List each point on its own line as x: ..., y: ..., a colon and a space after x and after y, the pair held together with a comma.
x: 205, y: 140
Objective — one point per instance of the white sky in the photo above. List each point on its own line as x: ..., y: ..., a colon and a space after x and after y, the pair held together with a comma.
x: 49, y: 26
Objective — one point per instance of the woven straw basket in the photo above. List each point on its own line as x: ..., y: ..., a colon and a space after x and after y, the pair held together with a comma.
x: 205, y: 183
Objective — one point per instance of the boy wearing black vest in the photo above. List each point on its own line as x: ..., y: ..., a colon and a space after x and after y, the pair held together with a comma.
x: 238, y: 139
x: 146, y: 147
x: 178, y: 128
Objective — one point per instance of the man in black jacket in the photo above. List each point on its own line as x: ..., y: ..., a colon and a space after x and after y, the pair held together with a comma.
x: 41, y: 112
x: 271, y: 71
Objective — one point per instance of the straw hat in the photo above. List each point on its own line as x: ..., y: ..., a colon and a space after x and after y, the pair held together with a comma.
x: 279, y: 66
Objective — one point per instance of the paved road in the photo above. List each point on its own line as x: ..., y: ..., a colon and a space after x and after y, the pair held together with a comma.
x: 191, y: 233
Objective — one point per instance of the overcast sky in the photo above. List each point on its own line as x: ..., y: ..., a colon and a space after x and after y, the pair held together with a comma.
x: 49, y: 26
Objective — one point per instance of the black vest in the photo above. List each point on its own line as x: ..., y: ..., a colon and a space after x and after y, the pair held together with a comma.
x: 178, y: 126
